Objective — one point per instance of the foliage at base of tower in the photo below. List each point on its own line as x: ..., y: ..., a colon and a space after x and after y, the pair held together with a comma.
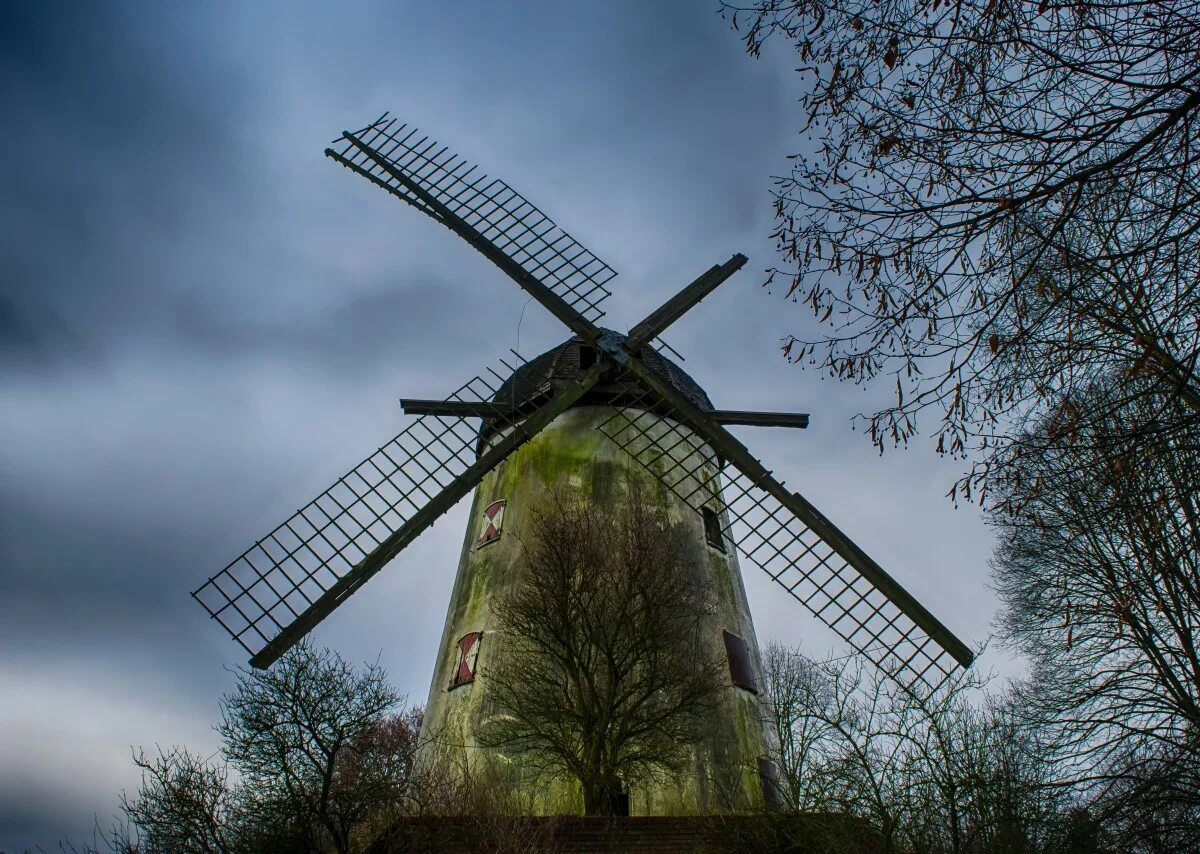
x: 967, y: 770
x: 310, y: 740
x: 314, y: 759
x: 605, y: 674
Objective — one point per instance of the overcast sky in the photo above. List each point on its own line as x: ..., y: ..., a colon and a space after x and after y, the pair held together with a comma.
x: 203, y: 322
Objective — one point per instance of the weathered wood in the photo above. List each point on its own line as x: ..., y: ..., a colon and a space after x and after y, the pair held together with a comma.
x: 678, y: 305
x: 455, y: 408
x: 532, y: 285
x: 759, y: 419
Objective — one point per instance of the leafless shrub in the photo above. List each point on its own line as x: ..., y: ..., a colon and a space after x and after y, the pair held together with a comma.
x: 483, y: 791
x: 313, y: 747
x: 312, y: 760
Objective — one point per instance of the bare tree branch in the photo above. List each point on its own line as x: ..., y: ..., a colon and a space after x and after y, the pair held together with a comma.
x: 996, y: 206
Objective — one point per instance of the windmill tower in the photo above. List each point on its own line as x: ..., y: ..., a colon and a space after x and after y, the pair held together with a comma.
x: 601, y: 411
x: 582, y: 447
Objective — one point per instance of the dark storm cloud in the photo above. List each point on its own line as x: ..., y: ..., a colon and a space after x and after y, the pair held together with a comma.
x: 370, y: 327
x: 203, y: 321
x: 119, y: 142
x: 112, y: 126
x: 20, y: 337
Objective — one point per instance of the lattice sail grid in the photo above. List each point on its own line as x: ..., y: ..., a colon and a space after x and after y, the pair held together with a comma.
x: 491, y: 207
x: 772, y: 537
x: 267, y: 587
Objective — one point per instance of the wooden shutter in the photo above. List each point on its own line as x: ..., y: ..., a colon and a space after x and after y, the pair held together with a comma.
x: 492, y: 523
x: 741, y: 671
x: 768, y: 778
x: 464, y: 662
x: 712, y: 528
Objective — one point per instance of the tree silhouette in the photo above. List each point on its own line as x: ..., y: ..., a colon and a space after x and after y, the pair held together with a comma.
x: 605, y: 674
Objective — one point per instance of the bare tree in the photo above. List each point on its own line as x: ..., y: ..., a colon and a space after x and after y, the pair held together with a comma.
x: 997, y: 210
x: 974, y: 777
x: 797, y: 693
x: 319, y: 761
x: 605, y: 673
x: 858, y: 761
x: 996, y: 204
x: 305, y: 738
x: 1151, y: 806
x: 951, y: 771
x: 1100, y: 576
x: 372, y: 774
x: 185, y: 803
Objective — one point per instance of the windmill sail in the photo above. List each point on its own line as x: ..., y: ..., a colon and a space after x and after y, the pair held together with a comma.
x: 280, y: 587
x: 443, y: 186
x: 830, y: 576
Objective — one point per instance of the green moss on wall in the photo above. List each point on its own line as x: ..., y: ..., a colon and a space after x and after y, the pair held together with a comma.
x: 720, y: 568
x: 573, y: 450
x: 553, y: 455
x: 477, y: 595
x: 749, y: 723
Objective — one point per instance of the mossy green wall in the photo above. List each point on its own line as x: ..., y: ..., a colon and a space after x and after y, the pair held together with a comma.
x: 573, y: 450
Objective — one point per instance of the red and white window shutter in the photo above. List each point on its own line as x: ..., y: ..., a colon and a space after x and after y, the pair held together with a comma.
x: 492, y: 524
x: 464, y: 662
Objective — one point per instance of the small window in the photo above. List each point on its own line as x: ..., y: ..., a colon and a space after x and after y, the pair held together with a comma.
x: 464, y: 662
x: 587, y: 357
x: 712, y: 528
x: 768, y: 778
x: 741, y: 672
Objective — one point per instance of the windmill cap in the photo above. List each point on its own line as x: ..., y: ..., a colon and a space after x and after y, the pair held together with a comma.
x: 538, y: 378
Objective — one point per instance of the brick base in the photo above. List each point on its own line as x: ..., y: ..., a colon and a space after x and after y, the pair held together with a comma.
x: 808, y: 834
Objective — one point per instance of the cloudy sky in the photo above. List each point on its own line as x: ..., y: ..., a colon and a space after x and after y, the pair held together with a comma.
x: 203, y: 322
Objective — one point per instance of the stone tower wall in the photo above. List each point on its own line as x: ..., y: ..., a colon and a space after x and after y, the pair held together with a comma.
x: 725, y: 773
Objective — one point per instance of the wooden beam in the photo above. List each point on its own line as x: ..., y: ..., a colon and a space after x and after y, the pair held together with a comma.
x: 455, y: 408
x: 760, y: 419
x: 532, y: 285
x: 678, y: 305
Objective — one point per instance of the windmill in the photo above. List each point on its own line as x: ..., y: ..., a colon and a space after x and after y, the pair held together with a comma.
x: 506, y: 429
